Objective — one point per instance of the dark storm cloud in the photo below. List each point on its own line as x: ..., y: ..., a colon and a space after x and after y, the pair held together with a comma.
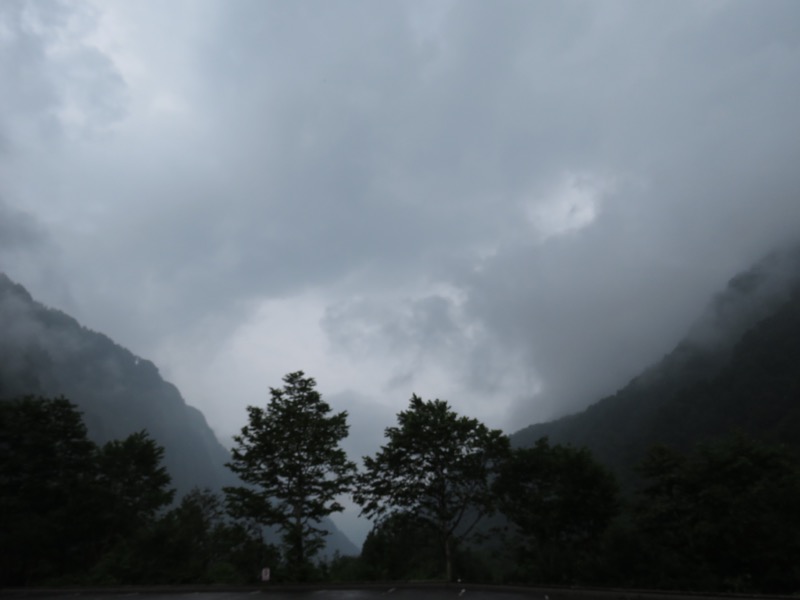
x: 690, y: 108
x: 521, y: 201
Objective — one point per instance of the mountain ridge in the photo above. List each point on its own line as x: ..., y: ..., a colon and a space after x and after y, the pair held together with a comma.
x: 697, y: 390
x: 46, y: 352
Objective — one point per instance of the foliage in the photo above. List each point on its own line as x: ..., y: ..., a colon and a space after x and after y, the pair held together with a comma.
x: 561, y: 501
x: 197, y: 532
x: 47, y: 479
x: 48, y: 353
x: 64, y: 502
x: 289, y: 454
x: 436, y: 465
x: 195, y: 542
x: 402, y: 546
x: 699, y: 391
x: 344, y: 568
x: 725, y: 517
x: 133, y: 483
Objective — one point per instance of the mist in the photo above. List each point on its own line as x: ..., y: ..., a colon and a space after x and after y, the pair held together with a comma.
x: 511, y: 206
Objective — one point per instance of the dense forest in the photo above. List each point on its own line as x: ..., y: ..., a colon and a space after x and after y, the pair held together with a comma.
x: 687, y: 478
x: 721, y: 518
x: 72, y: 511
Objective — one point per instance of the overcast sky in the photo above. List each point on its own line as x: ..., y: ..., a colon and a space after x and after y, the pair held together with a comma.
x: 511, y: 205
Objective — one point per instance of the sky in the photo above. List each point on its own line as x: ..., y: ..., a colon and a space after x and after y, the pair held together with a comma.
x: 513, y: 206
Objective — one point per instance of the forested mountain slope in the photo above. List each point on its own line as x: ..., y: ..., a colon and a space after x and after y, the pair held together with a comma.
x: 46, y: 352
x: 738, y: 368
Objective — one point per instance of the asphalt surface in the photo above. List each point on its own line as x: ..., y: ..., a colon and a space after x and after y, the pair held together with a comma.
x: 402, y: 591
x: 454, y: 592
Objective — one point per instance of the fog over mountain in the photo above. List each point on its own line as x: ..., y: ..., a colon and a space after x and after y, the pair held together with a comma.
x: 46, y: 353
x: 735, y: 371
x: 515, y: 206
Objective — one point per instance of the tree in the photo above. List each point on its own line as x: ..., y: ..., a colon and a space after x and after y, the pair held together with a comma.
x: 134, y: 484
x: 724, y: 517
x: 194, y: 527
x: 289, y: 454
x: 436, y: 465
x: 561, y: 501
x: 65, y: 504
x: 197, y: 542
x: 402, y: 546
x: 47, y: 477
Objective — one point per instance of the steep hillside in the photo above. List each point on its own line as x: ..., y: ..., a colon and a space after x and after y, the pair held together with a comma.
x: 46, y: 352
x: 738, y: 368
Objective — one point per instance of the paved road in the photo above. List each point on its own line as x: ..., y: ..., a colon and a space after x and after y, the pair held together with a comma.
x: 442, y: 593
x: 374, y: 592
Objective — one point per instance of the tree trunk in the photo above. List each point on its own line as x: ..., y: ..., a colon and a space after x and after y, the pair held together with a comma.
x: 448, y: 560
x: 300, y: 550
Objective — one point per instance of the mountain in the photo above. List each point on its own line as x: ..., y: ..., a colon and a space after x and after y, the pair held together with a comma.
x: 738, y: 368
x: 46, y: 352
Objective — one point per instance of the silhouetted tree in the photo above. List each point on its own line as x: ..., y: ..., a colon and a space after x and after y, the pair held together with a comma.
x: 402, y: 546
x: 725, y: 517
x: 436, y: 465
x: 197, y: 542
x: 289, y: 455
x: 65, y: 504
x: 47, y: 487
x: 133, y: 483
x: 561, y: 501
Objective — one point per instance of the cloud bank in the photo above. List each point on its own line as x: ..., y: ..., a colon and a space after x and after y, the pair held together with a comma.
x: 512, y: 206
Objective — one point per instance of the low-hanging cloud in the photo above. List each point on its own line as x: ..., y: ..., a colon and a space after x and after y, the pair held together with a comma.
x: 515, y: 206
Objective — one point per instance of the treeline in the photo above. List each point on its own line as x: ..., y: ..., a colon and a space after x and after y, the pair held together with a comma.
x: 74, y: 512
x: 450, y: 499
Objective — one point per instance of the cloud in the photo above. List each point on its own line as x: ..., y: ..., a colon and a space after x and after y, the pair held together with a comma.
x: 57, y: 83
x: 572, y: 205
x: 513, y: 206
x: 18, y: 230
